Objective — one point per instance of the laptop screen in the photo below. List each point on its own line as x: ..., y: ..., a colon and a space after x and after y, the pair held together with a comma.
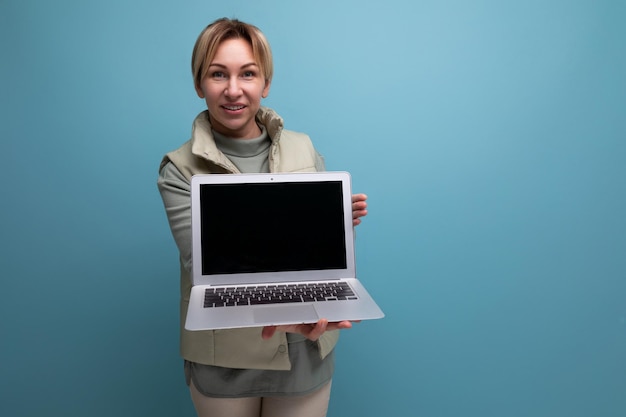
x: 272, y: 227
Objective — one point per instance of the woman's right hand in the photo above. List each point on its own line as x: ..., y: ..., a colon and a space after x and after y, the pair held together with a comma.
x: 311, y: 331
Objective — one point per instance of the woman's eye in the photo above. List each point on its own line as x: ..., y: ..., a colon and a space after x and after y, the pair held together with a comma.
x: 218, y: 74
x: 248, y: 74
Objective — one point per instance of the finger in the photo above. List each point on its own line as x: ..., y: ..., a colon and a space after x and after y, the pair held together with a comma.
x: 358, y: 213
x: 268, y: 332
x: 356, y: 217
x: 339, y: 325
x: 358, y: 197
x: 317, y: 331
x: 359, y: 206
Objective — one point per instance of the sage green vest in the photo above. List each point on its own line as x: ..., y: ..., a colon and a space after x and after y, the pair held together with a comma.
x: 240, y: 348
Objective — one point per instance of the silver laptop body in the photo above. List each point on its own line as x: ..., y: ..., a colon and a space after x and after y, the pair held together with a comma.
x: 272, y: 249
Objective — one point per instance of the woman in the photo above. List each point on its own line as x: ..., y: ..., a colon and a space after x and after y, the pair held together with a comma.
x: 271, y: 371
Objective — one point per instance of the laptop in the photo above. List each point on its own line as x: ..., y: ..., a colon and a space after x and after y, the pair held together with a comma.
x: 273, y: 249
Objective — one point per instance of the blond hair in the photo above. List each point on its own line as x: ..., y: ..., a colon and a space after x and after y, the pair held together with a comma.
x: 223, y: 29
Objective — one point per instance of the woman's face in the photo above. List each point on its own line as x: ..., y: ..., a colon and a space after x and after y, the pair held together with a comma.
x: 233, y: 89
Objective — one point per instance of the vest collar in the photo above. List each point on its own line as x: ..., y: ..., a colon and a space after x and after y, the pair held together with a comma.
x: 203, y: 142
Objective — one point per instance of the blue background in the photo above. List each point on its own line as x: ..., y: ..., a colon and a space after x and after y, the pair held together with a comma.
x: 489, y: 135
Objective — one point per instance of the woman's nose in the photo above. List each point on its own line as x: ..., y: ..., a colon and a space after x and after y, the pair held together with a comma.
x: 233, y: 88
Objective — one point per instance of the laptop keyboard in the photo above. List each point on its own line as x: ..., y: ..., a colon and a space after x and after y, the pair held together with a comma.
x: 277, y: 294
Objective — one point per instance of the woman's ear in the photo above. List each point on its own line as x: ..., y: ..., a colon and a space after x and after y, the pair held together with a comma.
x: 199, y: 91
x: 266, y: 90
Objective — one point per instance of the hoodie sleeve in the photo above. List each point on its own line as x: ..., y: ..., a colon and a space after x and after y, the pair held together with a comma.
x: 176, y: 194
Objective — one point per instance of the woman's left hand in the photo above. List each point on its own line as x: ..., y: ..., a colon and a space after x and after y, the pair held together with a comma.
x: 311, y: 331
x: 359, y: 208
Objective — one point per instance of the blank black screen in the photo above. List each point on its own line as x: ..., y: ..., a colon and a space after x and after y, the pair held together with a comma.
x: 272, y: 227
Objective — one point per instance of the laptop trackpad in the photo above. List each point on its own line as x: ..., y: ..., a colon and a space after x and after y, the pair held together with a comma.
x: 285, y: 314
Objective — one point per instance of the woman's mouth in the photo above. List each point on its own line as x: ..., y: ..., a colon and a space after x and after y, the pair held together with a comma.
x: 233, y: 108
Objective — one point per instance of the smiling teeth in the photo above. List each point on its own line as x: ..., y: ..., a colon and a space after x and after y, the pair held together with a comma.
x: 233, y: 107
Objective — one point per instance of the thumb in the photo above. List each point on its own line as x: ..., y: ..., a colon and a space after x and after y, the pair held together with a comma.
x: 268, y: 332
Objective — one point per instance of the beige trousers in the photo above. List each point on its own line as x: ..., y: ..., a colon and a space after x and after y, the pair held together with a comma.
x: 314, y: 404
